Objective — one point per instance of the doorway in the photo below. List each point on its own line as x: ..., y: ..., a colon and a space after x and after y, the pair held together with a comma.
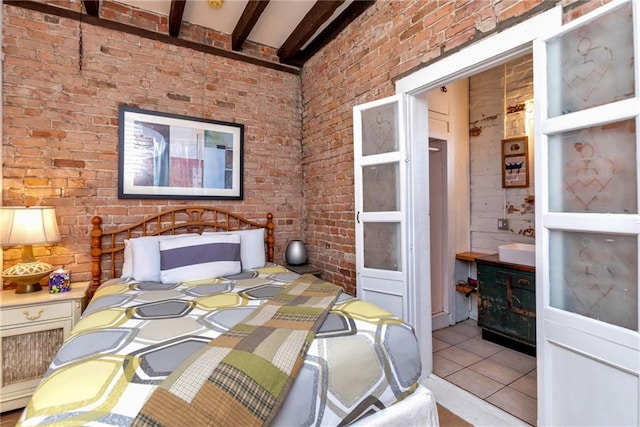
x: 496, y: 374
x: 440, y: 286
x: 486, y: 54
x: 448, y: 196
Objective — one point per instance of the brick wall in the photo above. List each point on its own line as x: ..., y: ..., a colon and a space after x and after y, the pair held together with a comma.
x: 497, y: 112
x: 390, y: 40
x: 61, y: 129
x: 60, y: 123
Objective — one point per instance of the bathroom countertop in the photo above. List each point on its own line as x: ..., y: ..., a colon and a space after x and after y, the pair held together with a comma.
x: 495, y: 260
x: 470, y: 256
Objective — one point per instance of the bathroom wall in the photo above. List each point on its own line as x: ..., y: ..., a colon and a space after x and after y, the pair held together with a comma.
x: 500, y: 107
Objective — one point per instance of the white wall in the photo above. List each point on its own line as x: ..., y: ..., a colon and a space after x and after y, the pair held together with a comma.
x: 489, y: 123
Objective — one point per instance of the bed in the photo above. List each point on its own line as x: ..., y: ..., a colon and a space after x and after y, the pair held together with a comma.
x: 191, y: 322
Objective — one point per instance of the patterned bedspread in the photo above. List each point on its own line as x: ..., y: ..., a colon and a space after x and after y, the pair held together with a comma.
x: 133, y: 335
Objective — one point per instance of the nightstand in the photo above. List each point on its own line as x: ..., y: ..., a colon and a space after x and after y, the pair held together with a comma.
x: 305, y: 269
x: 32, y: 329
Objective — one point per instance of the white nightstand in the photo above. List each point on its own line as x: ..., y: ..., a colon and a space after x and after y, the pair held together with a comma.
x: 32, y: 329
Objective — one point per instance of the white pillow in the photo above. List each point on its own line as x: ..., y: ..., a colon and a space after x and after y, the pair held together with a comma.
x: 127, y: 265
x: 144, y: 261
x: 251, y: 247
x: 199, y: 257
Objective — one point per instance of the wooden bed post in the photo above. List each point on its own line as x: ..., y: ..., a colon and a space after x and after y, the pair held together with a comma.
x: 96, y: 254
x: 270, y: 239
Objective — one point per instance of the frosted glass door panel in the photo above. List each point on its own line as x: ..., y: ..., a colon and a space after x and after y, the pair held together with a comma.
x: 588, y: 225
x: 594, y: 170
x: 595, y: 62
x: 379, y: 131
x: 595, y: 275
x: 382, y: 248
x: 380, y: 188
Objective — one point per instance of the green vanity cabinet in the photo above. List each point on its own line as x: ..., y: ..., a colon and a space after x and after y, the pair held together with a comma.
x: 507, y: 300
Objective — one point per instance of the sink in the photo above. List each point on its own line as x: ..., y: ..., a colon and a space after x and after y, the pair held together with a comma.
x: 518, y: 253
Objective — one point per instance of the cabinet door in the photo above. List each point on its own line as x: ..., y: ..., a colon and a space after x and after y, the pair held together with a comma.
x: 492, y: 309
x: 521, y: 305
x: 25, y: 354
x: 507, y: 302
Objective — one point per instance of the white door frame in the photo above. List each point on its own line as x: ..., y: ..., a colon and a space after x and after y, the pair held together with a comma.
x: 439, y: 225
x: 486, y: 54
x: 452, y: 127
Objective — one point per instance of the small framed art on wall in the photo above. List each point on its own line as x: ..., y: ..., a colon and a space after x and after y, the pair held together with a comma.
x: 515, y: 162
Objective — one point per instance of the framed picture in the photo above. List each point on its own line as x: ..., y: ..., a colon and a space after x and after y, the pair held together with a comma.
x: 168, y: 156
x: 515, y: 162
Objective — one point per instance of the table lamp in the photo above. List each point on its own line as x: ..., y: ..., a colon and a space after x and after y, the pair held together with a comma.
x: 27, y: 226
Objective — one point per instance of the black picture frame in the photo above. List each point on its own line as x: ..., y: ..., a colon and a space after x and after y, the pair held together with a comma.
x: 170, y: 156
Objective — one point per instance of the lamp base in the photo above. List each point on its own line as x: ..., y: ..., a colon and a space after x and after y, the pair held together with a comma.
x: 27, y: 275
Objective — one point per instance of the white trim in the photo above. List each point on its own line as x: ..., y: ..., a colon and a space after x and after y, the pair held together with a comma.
x: 418, y: 229
x: 468, y: 406
x: 442, y: 320
x: 598, y: 222
x: 595, y: 116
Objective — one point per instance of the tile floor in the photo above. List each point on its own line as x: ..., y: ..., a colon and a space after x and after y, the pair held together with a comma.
x: 501, y: 376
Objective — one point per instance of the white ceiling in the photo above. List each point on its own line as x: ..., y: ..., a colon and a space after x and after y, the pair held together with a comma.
x: 276, y: 23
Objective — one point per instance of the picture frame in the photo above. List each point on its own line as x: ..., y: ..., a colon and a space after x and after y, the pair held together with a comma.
x: 170, y: 156
x: 515, y: 162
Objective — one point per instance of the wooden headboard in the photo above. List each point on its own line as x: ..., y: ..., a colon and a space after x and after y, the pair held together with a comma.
x: 107, y: 246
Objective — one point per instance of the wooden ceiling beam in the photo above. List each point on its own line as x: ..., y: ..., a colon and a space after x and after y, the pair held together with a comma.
x: 92, y: 7
x: 175, y: 16
x: 330, y: 32
x: 250, y: 15
x: 148, y: 34
x: 314, y: 19
x: 289, y: 54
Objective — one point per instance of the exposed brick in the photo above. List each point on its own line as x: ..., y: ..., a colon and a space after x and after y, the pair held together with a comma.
x: 115, y: 52
x: 36, y: 182
x: 373, y: 61
x: 65, y: 163
x: 517, y: 8
x: 61, y: 126
x: 178, y: 97
x: 44, y: 91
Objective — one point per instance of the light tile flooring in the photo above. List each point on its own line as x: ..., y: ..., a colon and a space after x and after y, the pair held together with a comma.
x: 503, y: 377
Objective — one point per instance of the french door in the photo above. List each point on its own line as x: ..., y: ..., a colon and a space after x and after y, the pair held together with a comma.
x: 380, y: 173
x: 587, y: 221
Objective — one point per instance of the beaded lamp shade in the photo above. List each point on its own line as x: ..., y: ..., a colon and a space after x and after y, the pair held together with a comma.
x: 27, y: 226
